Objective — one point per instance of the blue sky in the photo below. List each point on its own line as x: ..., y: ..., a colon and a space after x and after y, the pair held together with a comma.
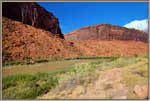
x: 74, y: 15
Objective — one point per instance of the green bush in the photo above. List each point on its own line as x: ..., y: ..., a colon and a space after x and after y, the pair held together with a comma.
x: 41, y: 60
x: 15, y: 62
x: 24, y: 62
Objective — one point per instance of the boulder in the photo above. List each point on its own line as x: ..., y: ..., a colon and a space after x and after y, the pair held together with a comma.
x: 141, y: 91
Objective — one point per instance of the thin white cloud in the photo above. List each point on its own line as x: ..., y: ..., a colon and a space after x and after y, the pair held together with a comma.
x: 138, y: 24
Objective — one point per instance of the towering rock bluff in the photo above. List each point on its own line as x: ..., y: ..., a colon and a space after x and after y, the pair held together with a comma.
x: 32, y: 14
x: 107, y: 32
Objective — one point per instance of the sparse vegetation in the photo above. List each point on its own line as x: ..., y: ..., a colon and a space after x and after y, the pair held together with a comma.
x: 26, y: 86
x: 30, y: 61
x: 129, y: 79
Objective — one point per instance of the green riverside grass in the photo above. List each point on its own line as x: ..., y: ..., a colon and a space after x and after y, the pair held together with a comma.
x: 27, y: 86
x: 30, y: 61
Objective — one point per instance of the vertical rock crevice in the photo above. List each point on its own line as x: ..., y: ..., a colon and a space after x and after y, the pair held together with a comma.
x: 32, y: 14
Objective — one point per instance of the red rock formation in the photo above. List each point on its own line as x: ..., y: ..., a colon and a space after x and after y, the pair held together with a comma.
x: 32, y: 14
x: 107, y: 32
x: 21, y: 41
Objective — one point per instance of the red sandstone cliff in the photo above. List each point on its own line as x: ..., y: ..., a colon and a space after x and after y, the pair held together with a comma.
x: 32, y: 14
x: 107, y: 32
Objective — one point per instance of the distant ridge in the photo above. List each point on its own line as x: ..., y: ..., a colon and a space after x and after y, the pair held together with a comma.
x: 107, y: 32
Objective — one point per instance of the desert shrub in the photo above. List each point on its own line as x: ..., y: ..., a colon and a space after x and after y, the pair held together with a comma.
x: 5, y: 54
x: 120, y: 62
x: 28, y: 61
x: 145, y: 56
x: 41, y: 60
x: 25, y: 62
x: 15, y: 62
x: 81, y: 74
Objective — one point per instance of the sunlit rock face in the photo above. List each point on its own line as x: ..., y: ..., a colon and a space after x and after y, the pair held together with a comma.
x: 107, y: 32
x: 32, y: 14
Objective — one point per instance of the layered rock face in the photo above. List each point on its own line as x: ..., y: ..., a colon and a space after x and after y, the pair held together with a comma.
x: 107, y: 32
x: 32, y: 14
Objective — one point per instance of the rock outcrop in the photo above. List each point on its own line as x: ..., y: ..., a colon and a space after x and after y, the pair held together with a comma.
x: 141, y: 91
x: 107, y: 32
x: 32, y: 14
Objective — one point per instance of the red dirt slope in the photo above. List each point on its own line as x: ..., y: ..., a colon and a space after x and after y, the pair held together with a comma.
x: 112, y: 47
x: 20, y: 41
